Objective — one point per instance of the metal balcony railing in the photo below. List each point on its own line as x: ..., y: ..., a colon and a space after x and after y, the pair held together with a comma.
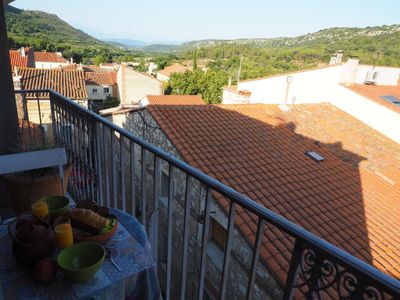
x: 118, y: 169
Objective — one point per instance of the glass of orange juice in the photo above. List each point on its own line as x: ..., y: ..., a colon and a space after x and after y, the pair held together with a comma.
x: 63, y: 233
x: 40, y: 209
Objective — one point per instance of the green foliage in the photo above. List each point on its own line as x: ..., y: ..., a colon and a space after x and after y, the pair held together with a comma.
x: 111, y: 102
x: 194, y: 60
x: 206, y: 84
x: 100, y: 58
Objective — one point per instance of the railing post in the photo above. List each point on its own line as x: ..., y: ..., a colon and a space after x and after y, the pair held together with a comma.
x: 256, y: 254
x: 53, y: 117
x: 185, y: 245
x: 293, y: 271
x: 204, y: 243
x: 154, y: 213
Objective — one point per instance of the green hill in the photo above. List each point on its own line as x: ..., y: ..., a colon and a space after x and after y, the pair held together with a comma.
x: 48, y: 32
x: 267, y: 56
x: 44, y: 29
x: 330, y: 36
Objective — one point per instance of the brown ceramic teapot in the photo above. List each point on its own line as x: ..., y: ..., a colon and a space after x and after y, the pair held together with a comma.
x: 33, y: 239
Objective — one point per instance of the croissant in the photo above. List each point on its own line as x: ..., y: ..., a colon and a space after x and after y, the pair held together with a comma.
x: 87, y: 220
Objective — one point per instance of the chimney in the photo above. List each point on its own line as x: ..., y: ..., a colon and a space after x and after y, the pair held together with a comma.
x: 22, y: 51
x: 72, y: 60
x: 230, y: 81
x: 339, y: 56
x: 350, y: 71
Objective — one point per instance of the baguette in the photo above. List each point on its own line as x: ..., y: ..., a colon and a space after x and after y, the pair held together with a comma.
x: 87, y: 220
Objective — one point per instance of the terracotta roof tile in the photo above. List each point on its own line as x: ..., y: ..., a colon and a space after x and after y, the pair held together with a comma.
x: 175, y: 100
x: 260, y: 151
x: 69, y: 83
x: 174, y: 68
x: 95, y: 78
x: 20, y: 61
x: 49, y: 57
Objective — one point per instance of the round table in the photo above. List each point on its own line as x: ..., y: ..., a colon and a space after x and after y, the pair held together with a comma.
x: 131, y: 252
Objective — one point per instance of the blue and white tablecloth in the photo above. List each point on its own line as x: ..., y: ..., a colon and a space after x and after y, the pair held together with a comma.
x: 131, y: 252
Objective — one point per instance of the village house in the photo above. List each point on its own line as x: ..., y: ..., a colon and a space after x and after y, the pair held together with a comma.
x: 315, y: 165
x: 70, y: 83
x: 102, y: 85
x: 22, y: 58
x: 49, y: 60
x: 366, y: 92
x: 133, y: 85
x: 165, y: 74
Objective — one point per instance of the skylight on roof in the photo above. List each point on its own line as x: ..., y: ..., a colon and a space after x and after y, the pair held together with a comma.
x: 315, y: 156
x: 391, y: 99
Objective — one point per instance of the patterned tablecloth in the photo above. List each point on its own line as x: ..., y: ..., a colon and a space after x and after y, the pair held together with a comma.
x: 132, y: 254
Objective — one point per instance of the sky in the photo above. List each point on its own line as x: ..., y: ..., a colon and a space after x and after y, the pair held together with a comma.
x: 176, y: 21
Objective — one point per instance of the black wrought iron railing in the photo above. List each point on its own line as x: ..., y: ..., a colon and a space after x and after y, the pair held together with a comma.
x: 175, y: 202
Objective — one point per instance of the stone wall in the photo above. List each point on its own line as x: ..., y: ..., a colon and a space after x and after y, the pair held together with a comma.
x: 141, y: 124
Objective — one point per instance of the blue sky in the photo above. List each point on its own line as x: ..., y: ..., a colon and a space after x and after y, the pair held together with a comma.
x: 179, y: 20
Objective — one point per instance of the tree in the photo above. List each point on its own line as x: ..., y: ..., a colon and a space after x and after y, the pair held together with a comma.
x: 206, y: 84
x: 99, y: 59
x: 194, y: 60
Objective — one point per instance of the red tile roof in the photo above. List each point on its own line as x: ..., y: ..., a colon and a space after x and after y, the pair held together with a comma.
x: 95, y: 69
x: 175, y: 100
x: 351, y: 199
x: 174, y: 68
x: 94, y: 78
x: 17, y: 60
x: 70, y: 83
x: 49, y: 57
x: 375, y: 92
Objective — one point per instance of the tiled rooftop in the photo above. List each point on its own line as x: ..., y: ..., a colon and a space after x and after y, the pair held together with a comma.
x: 43, y: 56
x: 17, y: 60
x: 175, y: 100
x: 375, y: 92
x: 95, y: 78
x: 174, y: 68
x: 70, y: 83
x: 350, y: 199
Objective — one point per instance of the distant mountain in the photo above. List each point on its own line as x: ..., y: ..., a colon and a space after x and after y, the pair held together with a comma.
x: 27, y: 27
x: 161, y: 48
x: 330, y: 35
x: 127, y: 43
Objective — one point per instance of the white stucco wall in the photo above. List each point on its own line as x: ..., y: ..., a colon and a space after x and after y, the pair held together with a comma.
x: 386, y: 75
x: 133, y: 86
x: 312, y: 86
x: 162, y: 77
x: 377, y: 116
x: 100, y: 95
x: 49, y: 65
x: 324, y: 85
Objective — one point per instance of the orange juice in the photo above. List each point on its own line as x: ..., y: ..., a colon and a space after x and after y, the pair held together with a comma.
x: 63, y: 235
x: 40, y: 209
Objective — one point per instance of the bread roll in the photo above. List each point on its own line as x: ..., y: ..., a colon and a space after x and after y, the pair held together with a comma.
x: 87, y: 220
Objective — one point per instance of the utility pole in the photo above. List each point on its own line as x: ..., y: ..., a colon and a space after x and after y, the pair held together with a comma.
x: 8, y: 109
x: 240, y: 68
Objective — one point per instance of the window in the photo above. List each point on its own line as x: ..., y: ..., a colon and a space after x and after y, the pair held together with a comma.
x: 94, y: 91
x: 106, y: 90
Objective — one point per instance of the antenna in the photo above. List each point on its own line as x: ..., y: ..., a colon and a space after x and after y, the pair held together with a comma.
x: 240, y: 68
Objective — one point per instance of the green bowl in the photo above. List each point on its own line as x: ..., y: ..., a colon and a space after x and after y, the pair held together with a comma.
x: 81, y: 261
x: 58, y: 205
